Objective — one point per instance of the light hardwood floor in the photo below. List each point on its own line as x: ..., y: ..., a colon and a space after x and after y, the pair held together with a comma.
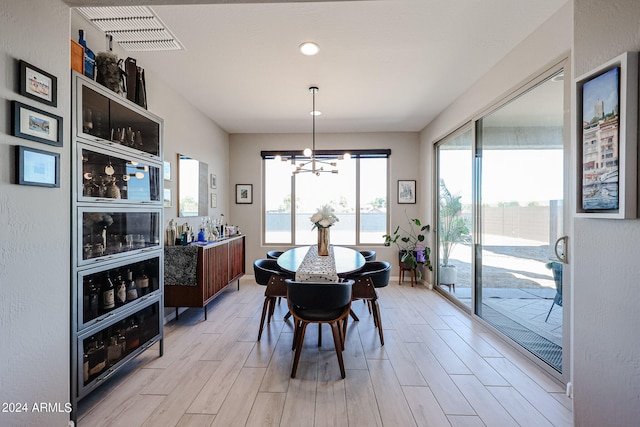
x: 437, y: 368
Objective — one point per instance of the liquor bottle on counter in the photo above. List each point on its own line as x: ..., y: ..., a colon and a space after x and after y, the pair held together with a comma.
x: 132, y: 289
x: 108, y: 295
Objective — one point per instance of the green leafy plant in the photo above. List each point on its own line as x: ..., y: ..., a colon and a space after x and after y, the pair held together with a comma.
x: 411, y: 243
x: 453, y: 227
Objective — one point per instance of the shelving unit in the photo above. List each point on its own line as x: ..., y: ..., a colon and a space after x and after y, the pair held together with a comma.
x: 117, y: 216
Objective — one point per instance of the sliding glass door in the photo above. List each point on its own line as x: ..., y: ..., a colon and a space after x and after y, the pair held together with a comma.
x: 521, y: 150
x: 496, y: 244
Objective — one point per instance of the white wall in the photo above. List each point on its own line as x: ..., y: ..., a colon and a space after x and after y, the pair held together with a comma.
x: 246, y: 168
x: 34, y: 236
x: 605, y: 256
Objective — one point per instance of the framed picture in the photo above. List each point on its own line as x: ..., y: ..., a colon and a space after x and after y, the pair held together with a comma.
x: 167, y: 171
x: 38, y: 84
x: 36, y: 125
x: 607, y: 112
x: 37, y: 167
x: 168, y: 200
x: 406, y: 192
x: 213, y: 179
x: 244, y: 193
x: 214, y: 200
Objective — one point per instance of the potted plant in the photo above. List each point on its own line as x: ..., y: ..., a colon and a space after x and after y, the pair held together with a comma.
x: 411, y: 243
x: 452, y: 230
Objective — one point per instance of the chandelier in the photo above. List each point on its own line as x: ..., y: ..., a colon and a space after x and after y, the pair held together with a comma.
x: 315, y: 164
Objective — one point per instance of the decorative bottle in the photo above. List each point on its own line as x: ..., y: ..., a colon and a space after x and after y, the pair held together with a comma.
x: 132, y: 289
x: 89, y: 57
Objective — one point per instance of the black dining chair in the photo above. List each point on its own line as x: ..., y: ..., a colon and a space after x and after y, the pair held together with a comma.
x: 274, y: 254
x: 369, y: 255
x: 374, y: 274
x: 319, y: 302
x: 268, y: 273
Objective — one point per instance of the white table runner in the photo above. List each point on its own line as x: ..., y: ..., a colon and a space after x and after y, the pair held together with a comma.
x: 315, y: 268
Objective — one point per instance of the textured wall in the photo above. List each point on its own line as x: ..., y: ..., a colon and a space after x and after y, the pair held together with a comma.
x: 605, y: 255
x: 34, y: 226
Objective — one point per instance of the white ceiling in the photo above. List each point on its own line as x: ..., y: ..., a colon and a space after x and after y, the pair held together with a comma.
x: 384, y: 65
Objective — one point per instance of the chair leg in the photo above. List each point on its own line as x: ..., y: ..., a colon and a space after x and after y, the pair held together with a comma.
x: 319, y: 334
x: 300, y: 340
x: 353, y: 315
x: 264, y: 314
x: 337, y: 341
x: 549, y: 313
x: 377, y: 319
x: 413, y: 276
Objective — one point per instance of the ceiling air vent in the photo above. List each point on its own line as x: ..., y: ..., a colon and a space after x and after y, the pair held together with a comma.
x: 135, y: 28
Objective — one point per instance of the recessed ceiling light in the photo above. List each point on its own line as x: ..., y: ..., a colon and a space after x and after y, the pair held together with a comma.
x: 309, y: 48
x: 315, y: 113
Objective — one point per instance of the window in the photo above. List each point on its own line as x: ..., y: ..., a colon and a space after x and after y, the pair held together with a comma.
x: 358, y: 193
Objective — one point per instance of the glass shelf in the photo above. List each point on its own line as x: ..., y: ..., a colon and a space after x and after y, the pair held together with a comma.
x: 103, y: 118
x: 116, y: 178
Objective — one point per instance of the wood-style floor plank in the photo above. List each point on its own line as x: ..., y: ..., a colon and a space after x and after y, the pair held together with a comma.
x: 438, y: 367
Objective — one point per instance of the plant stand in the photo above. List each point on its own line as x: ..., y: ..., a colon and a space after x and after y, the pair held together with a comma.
x: 404, y: 266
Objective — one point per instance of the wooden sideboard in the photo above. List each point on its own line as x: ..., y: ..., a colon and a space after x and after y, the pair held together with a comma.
x: 217, y: 265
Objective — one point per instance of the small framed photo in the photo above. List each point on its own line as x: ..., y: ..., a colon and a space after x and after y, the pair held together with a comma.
x: 214, y: 200
x: 38, y: 84
x: 37, y: 167
x: 244, y: 193
x: 406, y: 192
x: 213, y: 180
x: 36, y: 125
x: 168, y: 200
x: 167, y: 171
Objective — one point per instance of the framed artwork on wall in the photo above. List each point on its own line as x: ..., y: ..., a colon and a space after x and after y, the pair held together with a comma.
x: 36, y: 125
x: 607, y: 111
x: 406, y: 191
x: 213, y: 181
x: 37, y: 84
x: 37, y: 167
x: 214, y: 200
x: 244, y: 193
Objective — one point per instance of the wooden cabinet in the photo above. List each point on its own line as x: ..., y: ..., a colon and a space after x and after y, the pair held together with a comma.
x: 117, y: 258
x: 217, y: 265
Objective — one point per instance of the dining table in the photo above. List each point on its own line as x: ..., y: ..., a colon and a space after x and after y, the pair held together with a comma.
x: 307, y: 265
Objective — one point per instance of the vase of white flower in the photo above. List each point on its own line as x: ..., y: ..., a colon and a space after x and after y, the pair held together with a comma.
x: 323, y: 241
x: 322, y: 220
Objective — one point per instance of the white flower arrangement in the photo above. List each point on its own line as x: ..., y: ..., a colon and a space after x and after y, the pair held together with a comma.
x: 324, y: 218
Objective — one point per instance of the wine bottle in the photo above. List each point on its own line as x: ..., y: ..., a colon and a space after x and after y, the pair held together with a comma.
x: 121, y: 292
x: 108, y: 295
x: 142, y: 283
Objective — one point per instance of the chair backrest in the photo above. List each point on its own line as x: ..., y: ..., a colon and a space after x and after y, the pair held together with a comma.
x: 274, y: 254
x: 369, y: 255
x: 264, y: 268
x: 319, y: 295
x: 556, y: 270
x: 378, y: 271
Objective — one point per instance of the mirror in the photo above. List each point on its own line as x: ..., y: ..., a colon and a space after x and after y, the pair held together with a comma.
x: 192, y: 187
